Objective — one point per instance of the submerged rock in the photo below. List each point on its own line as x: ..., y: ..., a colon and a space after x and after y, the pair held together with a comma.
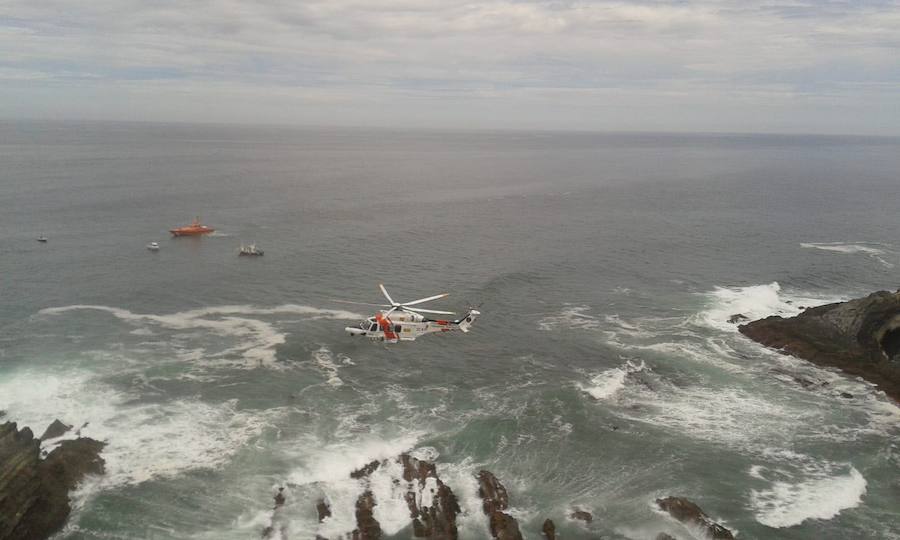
x: 689, y: 513
x: 495, y: 499
x: 582, y: 515
x: 664, y: 536
x: 323, y: 510
x: 549, y: 529
x: 738, y: 317
x: 34, y: 493
x: 366, y: 470
x: 54, y: 430
x: 861, y: 337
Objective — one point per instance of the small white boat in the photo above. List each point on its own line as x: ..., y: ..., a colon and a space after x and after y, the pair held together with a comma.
x: 42, y: 239
x: 153, y: 246
x: 250, y: 251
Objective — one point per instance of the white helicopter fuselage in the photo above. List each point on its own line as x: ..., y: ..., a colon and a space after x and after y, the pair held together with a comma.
x: 401, y: 325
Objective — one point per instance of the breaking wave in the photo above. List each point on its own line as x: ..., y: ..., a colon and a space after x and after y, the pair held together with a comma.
x: 755, y: 302
x: 606, y: 384
x: 816, y: 491
x: 145, y: 440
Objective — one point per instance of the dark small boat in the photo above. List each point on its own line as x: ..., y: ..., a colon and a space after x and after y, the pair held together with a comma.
x: 42, y: 239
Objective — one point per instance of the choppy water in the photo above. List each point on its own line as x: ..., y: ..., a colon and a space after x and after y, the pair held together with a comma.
x: 603, y: 373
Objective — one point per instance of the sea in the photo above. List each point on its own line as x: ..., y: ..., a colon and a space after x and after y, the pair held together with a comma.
x: 603, y: 373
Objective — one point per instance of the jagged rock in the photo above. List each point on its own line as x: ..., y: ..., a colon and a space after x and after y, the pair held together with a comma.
x: 323, y: 510
x: 587, y: 517
x: 367, y: 527
x: 687, y: 512
x: 846, y: 395
x: 54, y: 430
x: 415, y: 469
x: 664, y: 536
x: 738, y: 317
x: 279, y: 498
x: 365, y: 471
x: 492, y: 493
x: 549, y: 529
x: 34, y: 493
x: 861, y: 337
x: 495, y: 499
x: 438, y: 520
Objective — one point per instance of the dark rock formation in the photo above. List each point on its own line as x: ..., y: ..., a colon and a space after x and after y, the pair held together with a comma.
x: 438, y: 520
x: 687, y: 512
x: 495, y: 500
x: 664, y: 536
x: 432, y: 505
x: 323, y: 510
x: 54, y: 430
x: 582, y: 515
x: 861, y: 337
x: 277, y: 522
x: 34, y: 493
x: 549, y: 529
x: 366, y: 470
x: 738, y: 317
x: 367, y: 527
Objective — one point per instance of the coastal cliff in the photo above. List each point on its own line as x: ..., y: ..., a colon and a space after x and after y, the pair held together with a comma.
x: 861, y: 337
x: 34, y: 492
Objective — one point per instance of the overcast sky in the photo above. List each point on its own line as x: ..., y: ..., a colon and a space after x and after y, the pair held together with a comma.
x: 811, y: 66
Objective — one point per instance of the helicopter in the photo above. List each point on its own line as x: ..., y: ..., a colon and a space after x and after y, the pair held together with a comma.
x: 402, y: 322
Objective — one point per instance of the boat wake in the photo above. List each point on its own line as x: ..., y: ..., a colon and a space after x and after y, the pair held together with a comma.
x: 865, y: 248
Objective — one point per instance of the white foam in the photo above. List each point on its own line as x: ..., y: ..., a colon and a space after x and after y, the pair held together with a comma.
x: 570, y: 317
x: 850, y: 248
x: 724, y: 415
x: 819, y: 495
x: 325, y: 360
x: 606, y: 384
x: 256, y: 339
x: 754, y: 302
x: 328, y: 467
x: 144, y: 440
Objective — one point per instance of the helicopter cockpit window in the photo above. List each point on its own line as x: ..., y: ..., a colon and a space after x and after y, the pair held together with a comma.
x: 373, y: 328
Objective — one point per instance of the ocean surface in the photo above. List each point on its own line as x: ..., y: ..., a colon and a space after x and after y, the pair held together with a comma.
x: 602, y: 374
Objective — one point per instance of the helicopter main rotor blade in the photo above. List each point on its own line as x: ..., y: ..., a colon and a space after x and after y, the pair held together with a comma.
x: 423, y: 300
x: 360, y: 303
x: 420, y: 310
x: 386, y: 295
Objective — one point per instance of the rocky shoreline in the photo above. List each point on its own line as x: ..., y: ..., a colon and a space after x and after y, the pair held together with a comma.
x: 861, y: 337
x: 434, y: 509
x: 34, y: 492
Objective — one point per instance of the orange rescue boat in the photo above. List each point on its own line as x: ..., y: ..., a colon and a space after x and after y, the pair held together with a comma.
x: 194, y: 229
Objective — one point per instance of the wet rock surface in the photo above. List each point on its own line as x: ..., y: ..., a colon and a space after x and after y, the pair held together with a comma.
x: 689, y: 513
x: 861, y: 337
x: 54, y: 430
x: 34, y: 493
x: 582, y: 515
x: 495, y: 499
x: 549, y: 529
x: 433, y: 507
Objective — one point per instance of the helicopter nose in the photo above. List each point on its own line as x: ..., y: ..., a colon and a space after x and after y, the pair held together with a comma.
x: 354, y: 331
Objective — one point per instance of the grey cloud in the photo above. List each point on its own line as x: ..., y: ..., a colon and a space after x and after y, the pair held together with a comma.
x: 690, y: 62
